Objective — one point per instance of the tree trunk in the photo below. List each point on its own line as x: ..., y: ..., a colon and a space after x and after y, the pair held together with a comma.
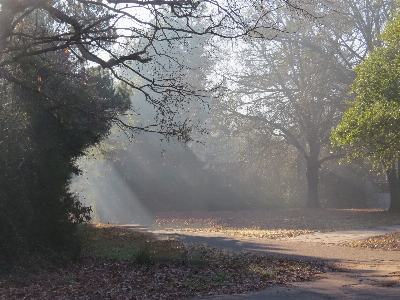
x: 393, y: 180
x: 312, y: 183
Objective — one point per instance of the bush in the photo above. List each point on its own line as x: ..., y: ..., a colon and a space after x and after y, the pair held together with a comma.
x: 42, y: 136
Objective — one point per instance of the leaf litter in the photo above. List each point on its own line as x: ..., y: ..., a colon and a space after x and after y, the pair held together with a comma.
x: 275, y: 224
x: 387, y: 242
x: 118, y: 263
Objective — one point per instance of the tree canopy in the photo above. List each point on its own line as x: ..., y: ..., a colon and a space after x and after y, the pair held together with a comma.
x: 123, y: 36
x: 293, y: 89
x: 40, y: 140
x: 371, y: 126
x: 65, y: 66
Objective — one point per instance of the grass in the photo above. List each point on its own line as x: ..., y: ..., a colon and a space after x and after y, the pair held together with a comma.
x: 107, y: 242
x: 121, y: 263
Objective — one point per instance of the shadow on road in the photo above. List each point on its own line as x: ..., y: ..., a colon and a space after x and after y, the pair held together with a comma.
x: 364, y: 274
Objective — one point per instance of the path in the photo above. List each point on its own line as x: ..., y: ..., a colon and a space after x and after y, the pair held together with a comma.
x: 369, y: 275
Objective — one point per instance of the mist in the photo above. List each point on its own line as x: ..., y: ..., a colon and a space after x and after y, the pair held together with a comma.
x: 134, y: 178
x: 269, y: 109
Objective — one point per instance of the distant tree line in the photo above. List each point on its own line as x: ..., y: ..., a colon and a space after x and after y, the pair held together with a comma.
x: 285, y: 95
x: 57, y: 100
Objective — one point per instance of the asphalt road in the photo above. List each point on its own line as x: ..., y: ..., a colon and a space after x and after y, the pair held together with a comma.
x: 368, y: 274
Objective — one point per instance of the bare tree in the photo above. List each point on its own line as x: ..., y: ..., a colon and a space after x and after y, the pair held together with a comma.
x: 295, y: 87
x: 121, y: 36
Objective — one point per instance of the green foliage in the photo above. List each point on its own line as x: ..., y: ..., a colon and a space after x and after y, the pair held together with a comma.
x: 371, y: 126
x: 43, y: 132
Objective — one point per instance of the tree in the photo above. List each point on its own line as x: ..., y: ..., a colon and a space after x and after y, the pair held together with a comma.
x: 54, y: 102
x: 370, y: 127
x: 41, y: 139
x: 120, y: 36
x: 294, y: 87
x: 294, y: 96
